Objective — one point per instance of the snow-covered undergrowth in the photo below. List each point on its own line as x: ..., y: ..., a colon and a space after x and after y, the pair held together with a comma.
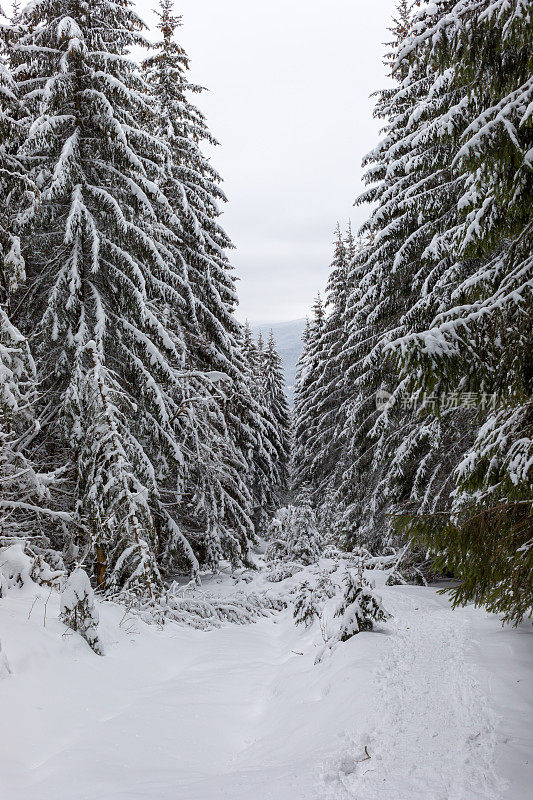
x: 433, y: 704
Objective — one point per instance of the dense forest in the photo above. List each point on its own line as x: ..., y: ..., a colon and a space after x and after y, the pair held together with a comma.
x: 204, y: 592
x: 141, y: 436
x: 413, y: 414
x: 145, y: 433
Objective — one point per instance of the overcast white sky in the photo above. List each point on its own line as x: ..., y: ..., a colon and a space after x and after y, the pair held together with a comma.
x: 289, y: 84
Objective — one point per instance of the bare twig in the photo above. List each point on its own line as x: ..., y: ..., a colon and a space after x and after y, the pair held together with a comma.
x: 45, y: 606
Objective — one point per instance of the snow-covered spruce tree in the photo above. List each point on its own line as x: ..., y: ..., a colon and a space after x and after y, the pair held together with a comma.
x: 305, y: 606
x: 271, y: 450
x: 337, y: 393
x: 236, y: 469
x: 274, y: 441
x: 250, y: 352
x: 26, y: 507
x: 400, y: 451
x: 16, y: 191
x: 360, y: 608
x: 263, y: 502
x: 78, y: 608
x: 324, y: 447
x: 25, y: 501
x: 260, y: 352
x: 275, y: 399
x: 16, y: 365
x: 305, y: 398
x: 480, y: 339
x: 100, y: 280
x: 294, y: 536
x: 304, y: 541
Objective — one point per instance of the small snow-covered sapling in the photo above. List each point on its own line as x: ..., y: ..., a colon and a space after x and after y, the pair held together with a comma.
x: 360, y: 608
x: 305, y: 608
x: 78, y: 608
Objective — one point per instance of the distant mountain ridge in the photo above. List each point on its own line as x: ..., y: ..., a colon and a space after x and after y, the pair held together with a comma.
x: 288, y: 336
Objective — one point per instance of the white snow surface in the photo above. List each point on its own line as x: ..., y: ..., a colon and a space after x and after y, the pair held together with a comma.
x: 440, y: 699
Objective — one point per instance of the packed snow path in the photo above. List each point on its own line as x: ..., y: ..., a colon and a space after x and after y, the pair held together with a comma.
x: 434, y: 707
x: 434, y: 734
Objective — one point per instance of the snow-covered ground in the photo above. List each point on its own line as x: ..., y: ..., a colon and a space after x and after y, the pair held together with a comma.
x: 435, y: 705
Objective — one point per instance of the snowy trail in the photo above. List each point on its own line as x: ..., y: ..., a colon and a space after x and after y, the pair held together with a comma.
x: 435, y: 733
x: 242, y: 713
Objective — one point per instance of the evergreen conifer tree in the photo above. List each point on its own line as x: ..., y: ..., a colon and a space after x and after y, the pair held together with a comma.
x: 272, y: 450
x: 100, y: 279
x: 235, y: 426
x: 479, y: 338
x: 305, y: 420
x: 275, y: 398
x: 441, y: 286
x: 330, y: 399
x: 78, y: 609
x: 399, y: 452
x: 25, y: 499
x: 359, y: 609
x: 305, y: 606
x: 250, y: 352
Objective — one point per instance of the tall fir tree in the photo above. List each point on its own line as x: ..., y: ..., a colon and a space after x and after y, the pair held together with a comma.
x: 250, y: 351
x: 324, y: 445
x: 17, y: 192
x: 394, y: 440
x: 439, y: 318
x: 271, y: 459
x: 275, y: 399
x: 239, y: 429
x: 480, y: 338
x: 305, y: 419
x: 26, y: 501
x: 105, y: 293
x: 330, y: 404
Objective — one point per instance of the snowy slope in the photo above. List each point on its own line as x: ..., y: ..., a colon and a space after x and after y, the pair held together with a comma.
x: 441, y: 700
x: 288, y: 336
